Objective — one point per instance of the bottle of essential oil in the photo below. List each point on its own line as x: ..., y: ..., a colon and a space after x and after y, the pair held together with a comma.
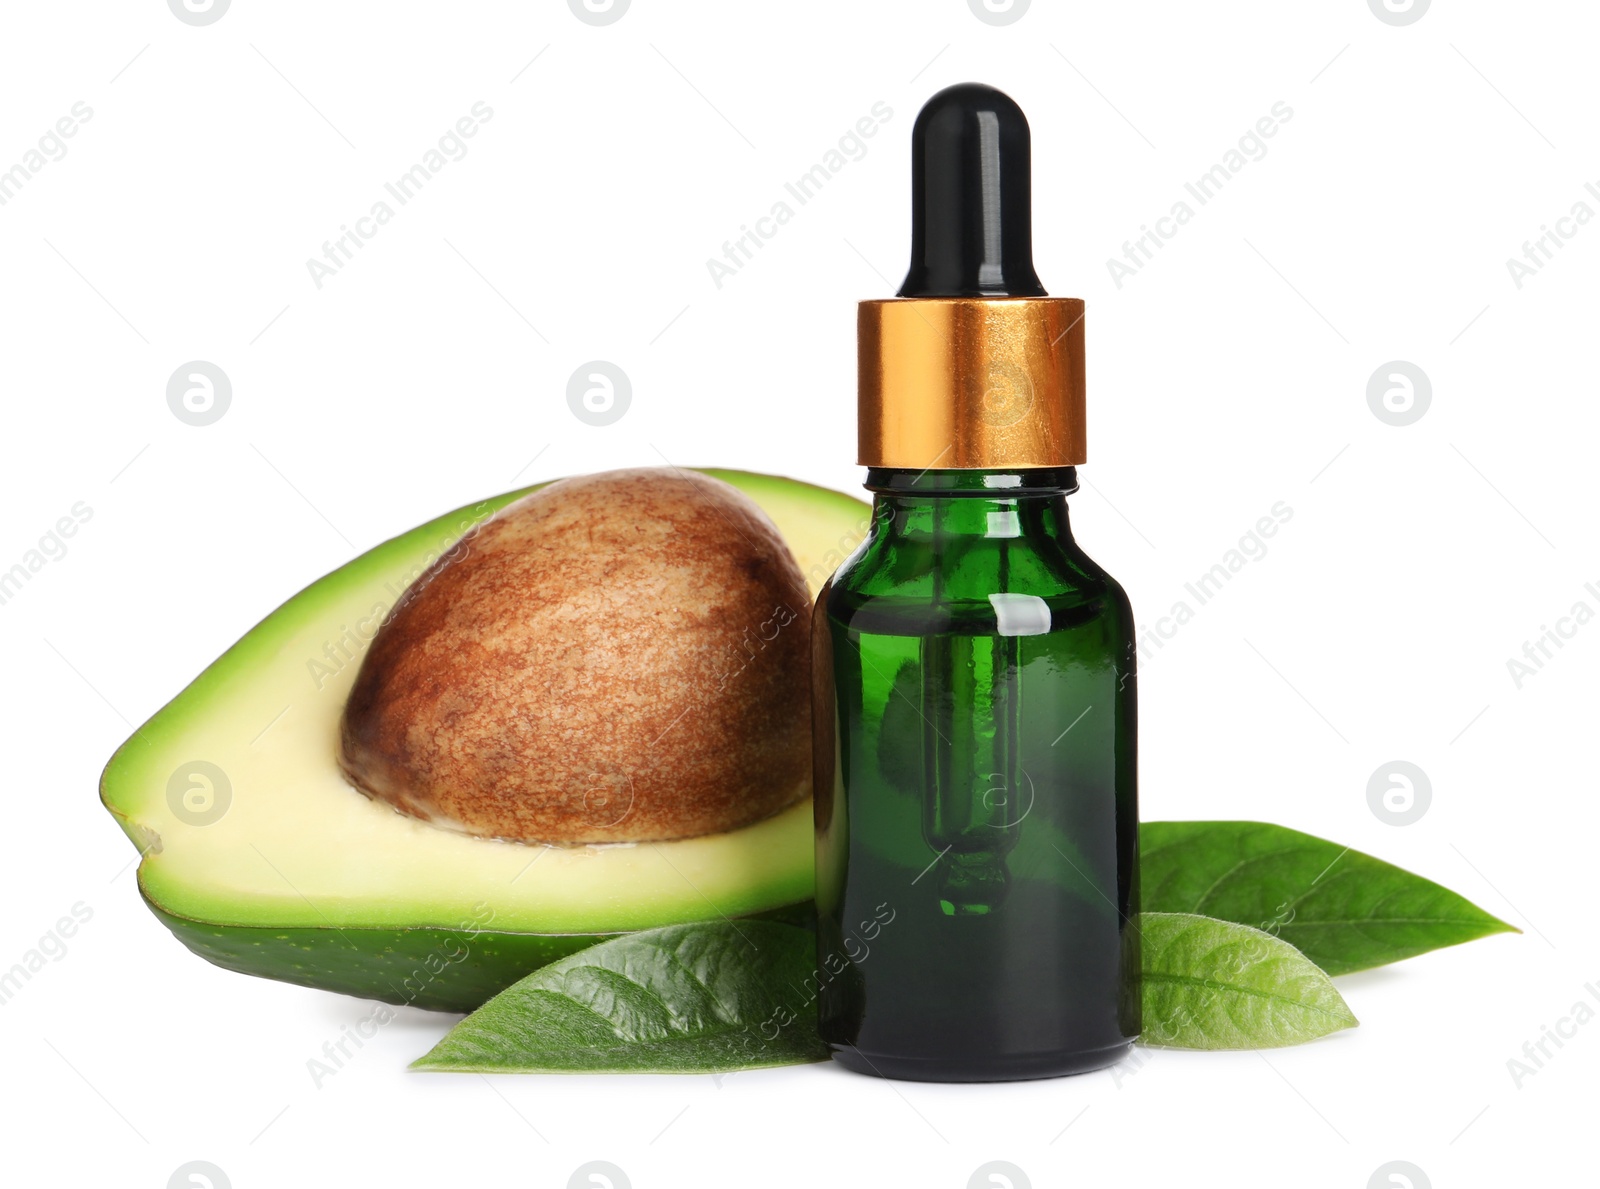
x: 973, y: 669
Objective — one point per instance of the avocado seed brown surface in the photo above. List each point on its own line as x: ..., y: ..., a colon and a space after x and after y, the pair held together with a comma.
x: 617, y: 657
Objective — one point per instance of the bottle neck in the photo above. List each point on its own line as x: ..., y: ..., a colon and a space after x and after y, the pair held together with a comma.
x: 997, y: 504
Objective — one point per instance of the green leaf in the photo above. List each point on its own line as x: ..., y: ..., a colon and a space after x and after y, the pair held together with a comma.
x: 698, y: 998
x: 1210, y: 984
x: 1344, y: 910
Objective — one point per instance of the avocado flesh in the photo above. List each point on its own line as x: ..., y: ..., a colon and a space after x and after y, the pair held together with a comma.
x: 304, y: 879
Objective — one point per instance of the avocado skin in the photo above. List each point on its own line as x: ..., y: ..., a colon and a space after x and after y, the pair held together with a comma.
x: 438, y: 969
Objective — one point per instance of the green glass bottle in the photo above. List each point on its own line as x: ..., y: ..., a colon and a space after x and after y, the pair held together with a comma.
x: 974, y: 703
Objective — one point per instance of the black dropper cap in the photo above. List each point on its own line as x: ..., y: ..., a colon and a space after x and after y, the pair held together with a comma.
x: 971, y: 194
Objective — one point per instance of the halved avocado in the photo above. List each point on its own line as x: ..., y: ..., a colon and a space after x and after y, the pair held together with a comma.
x: 261, y: 858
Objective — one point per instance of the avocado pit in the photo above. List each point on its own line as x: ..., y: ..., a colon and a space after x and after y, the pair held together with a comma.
x: 619, y: 657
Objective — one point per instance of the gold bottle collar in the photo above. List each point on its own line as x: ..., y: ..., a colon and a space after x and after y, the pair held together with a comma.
x: 970, y: 383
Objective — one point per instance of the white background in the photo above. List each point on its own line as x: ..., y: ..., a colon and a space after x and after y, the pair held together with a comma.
x: 1229, y: 374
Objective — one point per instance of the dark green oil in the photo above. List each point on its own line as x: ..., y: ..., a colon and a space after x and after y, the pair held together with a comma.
x: 975, y: 788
